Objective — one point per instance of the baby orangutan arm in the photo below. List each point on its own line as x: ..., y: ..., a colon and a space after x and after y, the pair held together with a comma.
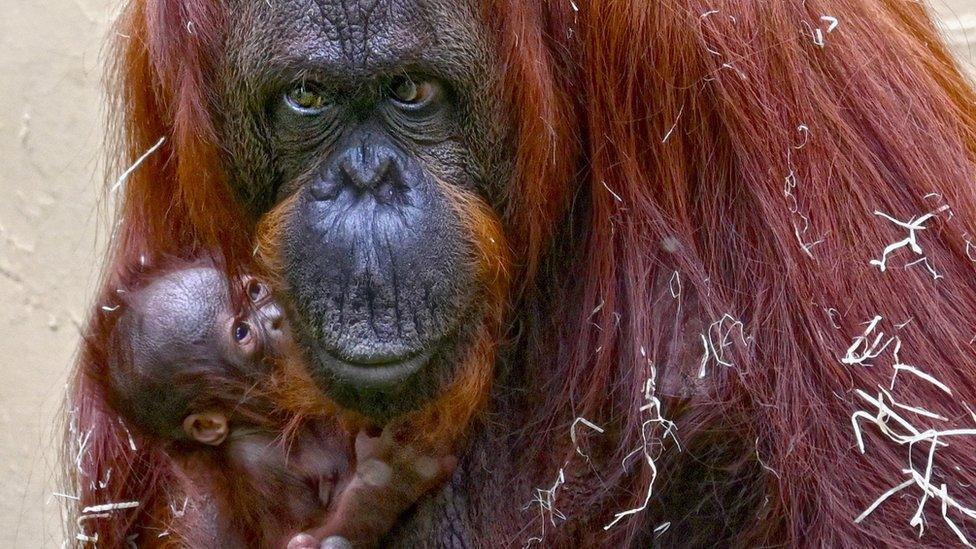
x: 389, y: 478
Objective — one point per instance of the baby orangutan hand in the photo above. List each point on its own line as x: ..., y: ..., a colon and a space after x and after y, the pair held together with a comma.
x: 390, y: 477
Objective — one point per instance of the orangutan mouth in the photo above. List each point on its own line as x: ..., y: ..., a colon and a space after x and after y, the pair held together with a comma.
x: 380, y: 373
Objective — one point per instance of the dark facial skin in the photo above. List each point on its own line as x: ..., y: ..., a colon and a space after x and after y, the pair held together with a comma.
x: 365, y: 116
x: 179, y: 334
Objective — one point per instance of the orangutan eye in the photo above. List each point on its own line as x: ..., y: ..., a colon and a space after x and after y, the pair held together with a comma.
x: 410, y: 93
x: 306, y: 98
x: 242, y: 331
x: 256, y: 291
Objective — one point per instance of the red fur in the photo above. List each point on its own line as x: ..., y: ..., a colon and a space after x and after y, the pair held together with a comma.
x: 102, y: 468
x: 174, y: 204
x: 644, y: 153
x: 538, y: 80
x: 686, y: 149
x: 177, y: 201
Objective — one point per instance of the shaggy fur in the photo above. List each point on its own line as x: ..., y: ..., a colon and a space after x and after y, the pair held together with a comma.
x: 701, y: 190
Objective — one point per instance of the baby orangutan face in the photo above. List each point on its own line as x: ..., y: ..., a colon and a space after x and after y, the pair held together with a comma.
x: 249, y: 339
x: 260, y: 332
x: 185, y: 336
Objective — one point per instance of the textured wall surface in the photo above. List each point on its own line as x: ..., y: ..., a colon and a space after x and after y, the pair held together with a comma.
x: 52, y: 228
x: 50, y: 137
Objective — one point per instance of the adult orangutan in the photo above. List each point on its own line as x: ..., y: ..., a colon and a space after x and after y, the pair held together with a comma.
x: 699, y: 272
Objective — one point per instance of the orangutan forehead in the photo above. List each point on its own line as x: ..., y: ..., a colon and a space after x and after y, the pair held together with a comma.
x: 361, y: 38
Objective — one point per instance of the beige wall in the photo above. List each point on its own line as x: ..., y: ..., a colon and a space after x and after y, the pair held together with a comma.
x: 50, y: 229
x: 49, y: 151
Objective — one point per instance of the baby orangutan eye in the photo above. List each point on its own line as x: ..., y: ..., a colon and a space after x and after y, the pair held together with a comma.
x: 242, y: 332
x: 257, y: 291
x: 247, y: 337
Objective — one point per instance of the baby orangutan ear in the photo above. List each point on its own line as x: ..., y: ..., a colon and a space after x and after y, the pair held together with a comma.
x: 209, y: 427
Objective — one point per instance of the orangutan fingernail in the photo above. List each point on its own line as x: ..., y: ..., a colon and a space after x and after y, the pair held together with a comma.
x: 335, y: 542
x: 374, y: 472
x: 302, y: 541
x: 426, y: 466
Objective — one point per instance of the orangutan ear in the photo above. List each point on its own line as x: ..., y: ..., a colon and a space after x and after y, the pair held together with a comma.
x: 208, y: 428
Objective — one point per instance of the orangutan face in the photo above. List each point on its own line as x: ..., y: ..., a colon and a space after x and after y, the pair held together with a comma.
x: 369, y: 127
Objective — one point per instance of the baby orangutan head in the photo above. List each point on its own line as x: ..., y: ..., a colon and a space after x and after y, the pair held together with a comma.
x: 187, y: 353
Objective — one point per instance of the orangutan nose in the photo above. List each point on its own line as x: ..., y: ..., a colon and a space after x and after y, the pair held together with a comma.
x: 273, y: 319
x: 367, y: 164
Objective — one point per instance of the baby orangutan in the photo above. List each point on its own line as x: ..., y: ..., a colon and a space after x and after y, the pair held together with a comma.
x: 190, y: 370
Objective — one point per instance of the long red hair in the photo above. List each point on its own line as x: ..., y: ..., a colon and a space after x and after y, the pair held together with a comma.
x: 745, y: 161
x: 172, y: 202
x: 700, y: 187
